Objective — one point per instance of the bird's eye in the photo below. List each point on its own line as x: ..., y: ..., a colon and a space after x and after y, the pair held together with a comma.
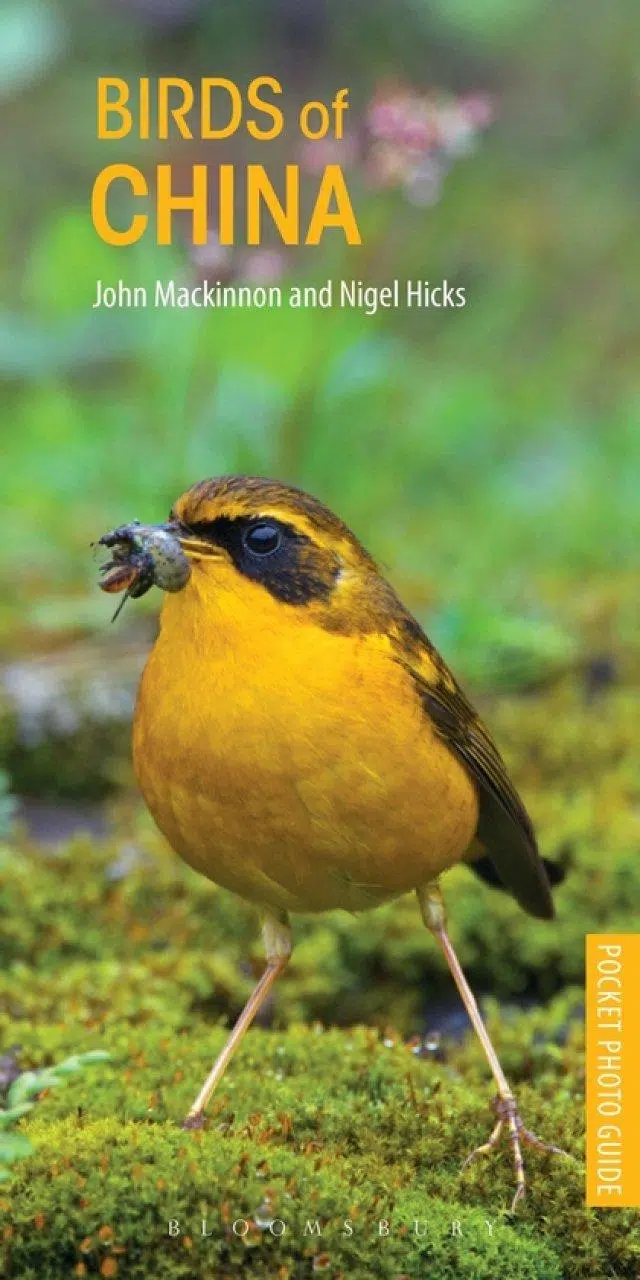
x: 262, y: 539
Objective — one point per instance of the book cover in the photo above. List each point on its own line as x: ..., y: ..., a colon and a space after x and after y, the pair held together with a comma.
x: 318, y: 687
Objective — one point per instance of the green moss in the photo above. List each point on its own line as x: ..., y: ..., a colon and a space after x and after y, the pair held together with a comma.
x: 112, y: 1166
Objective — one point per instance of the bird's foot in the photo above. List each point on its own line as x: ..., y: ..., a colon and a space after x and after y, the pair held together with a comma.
x: 194, y: 1120
x: 519, y: 1136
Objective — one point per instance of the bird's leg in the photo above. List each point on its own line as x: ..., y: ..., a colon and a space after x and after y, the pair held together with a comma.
x: 433, y: 914
x: 277, y: 945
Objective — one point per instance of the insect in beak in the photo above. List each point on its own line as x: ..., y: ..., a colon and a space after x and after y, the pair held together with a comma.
x: 143, y: 556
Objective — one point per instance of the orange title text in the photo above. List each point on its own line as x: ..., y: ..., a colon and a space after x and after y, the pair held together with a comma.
x: 214, y: 109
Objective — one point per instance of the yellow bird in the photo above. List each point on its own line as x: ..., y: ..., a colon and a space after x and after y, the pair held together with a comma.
x: 300, y: 741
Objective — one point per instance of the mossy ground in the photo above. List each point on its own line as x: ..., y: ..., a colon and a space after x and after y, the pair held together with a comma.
x: 310, y: 1124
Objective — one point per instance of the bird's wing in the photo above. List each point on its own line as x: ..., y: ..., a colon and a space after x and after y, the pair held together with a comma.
x: 504, y: 827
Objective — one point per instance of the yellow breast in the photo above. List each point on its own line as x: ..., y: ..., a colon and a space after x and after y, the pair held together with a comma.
x: 292, y: 764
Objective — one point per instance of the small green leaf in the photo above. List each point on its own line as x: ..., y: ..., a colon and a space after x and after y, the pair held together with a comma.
x: 78, y: 1061
x: 31, y: 1083
x: 7, y: 1118
x: 69, y: 1067
x: 26, y: 1086
x: 13, y: 1146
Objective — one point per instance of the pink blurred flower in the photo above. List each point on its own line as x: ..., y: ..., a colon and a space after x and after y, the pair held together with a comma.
x: 212, y: 256
x: 315, y: 156
x: 263, y: 266
x: 413, y: 138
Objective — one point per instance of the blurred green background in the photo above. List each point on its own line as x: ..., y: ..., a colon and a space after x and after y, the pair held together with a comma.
x: 489, y: 456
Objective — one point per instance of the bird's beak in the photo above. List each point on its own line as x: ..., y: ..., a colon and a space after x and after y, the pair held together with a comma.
x: 194, y: 547
x: 191, y: 544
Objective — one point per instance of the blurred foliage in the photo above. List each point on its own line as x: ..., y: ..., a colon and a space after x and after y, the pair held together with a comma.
x: 8, y: 805
x: 32, y: 40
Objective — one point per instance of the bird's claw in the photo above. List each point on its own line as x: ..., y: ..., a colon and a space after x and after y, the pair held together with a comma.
x: 507, y: 1112
x: 194, y: 1120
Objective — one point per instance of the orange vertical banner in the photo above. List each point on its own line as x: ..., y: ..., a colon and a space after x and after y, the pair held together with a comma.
x: 613, y: 1069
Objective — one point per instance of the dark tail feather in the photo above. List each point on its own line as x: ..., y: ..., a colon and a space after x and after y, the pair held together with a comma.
x: 486, y: 871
